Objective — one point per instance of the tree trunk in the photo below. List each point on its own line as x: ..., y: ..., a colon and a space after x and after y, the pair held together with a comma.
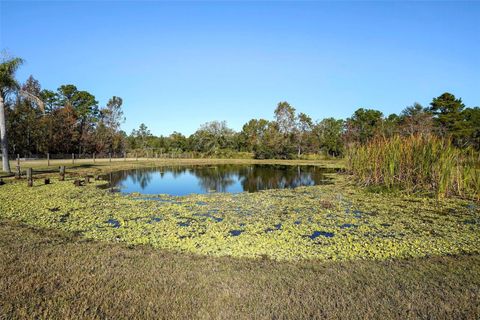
x: 3, y: 137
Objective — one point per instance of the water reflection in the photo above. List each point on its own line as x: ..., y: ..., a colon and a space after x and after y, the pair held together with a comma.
x: 182, y: 180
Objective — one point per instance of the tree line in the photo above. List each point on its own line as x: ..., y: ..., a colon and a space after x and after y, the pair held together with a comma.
x: 291, y: 134
x: 68, y: 120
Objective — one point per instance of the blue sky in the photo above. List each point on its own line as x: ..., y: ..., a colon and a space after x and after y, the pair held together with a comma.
x: 180, y: 64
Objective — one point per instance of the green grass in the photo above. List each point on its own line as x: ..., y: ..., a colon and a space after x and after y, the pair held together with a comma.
x: 47, y: 274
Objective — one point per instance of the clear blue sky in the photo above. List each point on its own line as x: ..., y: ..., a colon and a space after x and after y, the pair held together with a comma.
x: 178, y: 65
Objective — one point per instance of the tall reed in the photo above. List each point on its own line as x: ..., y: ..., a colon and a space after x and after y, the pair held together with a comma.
x: 417, y: 163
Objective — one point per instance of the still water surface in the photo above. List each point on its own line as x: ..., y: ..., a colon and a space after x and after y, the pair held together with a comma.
x: 183, y: 180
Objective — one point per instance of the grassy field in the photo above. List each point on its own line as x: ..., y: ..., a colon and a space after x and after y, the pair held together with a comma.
x: 398, y: 256
x: 47, y: 274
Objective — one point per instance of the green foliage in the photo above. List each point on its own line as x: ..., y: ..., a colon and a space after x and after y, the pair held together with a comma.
x: 329, y: 133
x: 364, y: 125
x: 8, y: 68
x: 417, y: 163
x: 415, y: 119
x: 72, y: 122
x: 212, y: 137
x: 470, y: 131
x: 447, y: 111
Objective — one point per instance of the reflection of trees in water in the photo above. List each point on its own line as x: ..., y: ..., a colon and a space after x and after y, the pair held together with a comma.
x: 220, y: 177
x: 261, y: 177
x: 217, y: 178
x: 142, y: 177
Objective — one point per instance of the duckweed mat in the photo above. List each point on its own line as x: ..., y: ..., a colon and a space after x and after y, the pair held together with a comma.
x: 329, y: 222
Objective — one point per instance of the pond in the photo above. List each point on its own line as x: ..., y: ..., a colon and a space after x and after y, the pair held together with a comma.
x: 199, y: 179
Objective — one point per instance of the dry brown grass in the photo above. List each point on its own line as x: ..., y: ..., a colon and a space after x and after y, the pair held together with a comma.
x: 46, y: 274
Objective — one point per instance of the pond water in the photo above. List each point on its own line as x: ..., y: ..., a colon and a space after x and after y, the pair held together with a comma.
x: 183, y: 180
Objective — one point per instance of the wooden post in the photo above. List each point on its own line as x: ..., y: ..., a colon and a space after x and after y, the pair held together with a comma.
x: 110, y: 156
x: 30, y: 177
x: 110, y: 182
x: 62, y: 173
x: 18, y: 173
x: 73, y: 158
x: 136, y: 156
x: 48, y: 159
x: 124, y: 156
x: 94, y: 157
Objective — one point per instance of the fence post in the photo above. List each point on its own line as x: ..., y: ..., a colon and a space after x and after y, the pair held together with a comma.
x: 73, y: 158
x: 18, y: 173
x: 124, y: 156
x: 30, y: 177
x: 110, y: 156
x: 18, y: 160
x: 48, y: 159
x: 62, y: 173
x: 94, y: 157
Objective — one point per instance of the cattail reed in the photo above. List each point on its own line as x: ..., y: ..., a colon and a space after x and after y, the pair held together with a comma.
x: 417, y: 163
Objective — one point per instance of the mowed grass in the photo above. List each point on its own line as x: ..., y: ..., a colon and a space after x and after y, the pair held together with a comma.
x: 46, y: 274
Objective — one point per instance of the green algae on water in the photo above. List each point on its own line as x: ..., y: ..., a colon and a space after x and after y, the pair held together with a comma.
x: 330, y: 222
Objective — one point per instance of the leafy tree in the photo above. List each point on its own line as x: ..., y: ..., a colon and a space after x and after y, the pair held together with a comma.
x: 212, y: 137
x: 107, y: 131
x: 32, y: 86
x: 141, y: 136
x: 178, y: 141
x: 447, y: 112
x: 50, y: 99
x: 285, y: 118
x: 363, y: 125
x: 415, y: 119
x: 328, y: 133
x: 253, y: 133
x: 390, y: 125
x: 8, y: 84
x: 303, y: 132
x: 272, y: 144
x: 470, y: 131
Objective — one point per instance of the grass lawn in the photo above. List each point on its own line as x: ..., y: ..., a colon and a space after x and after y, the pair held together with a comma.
x: 330, y: 251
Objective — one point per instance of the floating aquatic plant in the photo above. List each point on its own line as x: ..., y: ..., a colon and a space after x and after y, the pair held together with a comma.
x: 282, y: 224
